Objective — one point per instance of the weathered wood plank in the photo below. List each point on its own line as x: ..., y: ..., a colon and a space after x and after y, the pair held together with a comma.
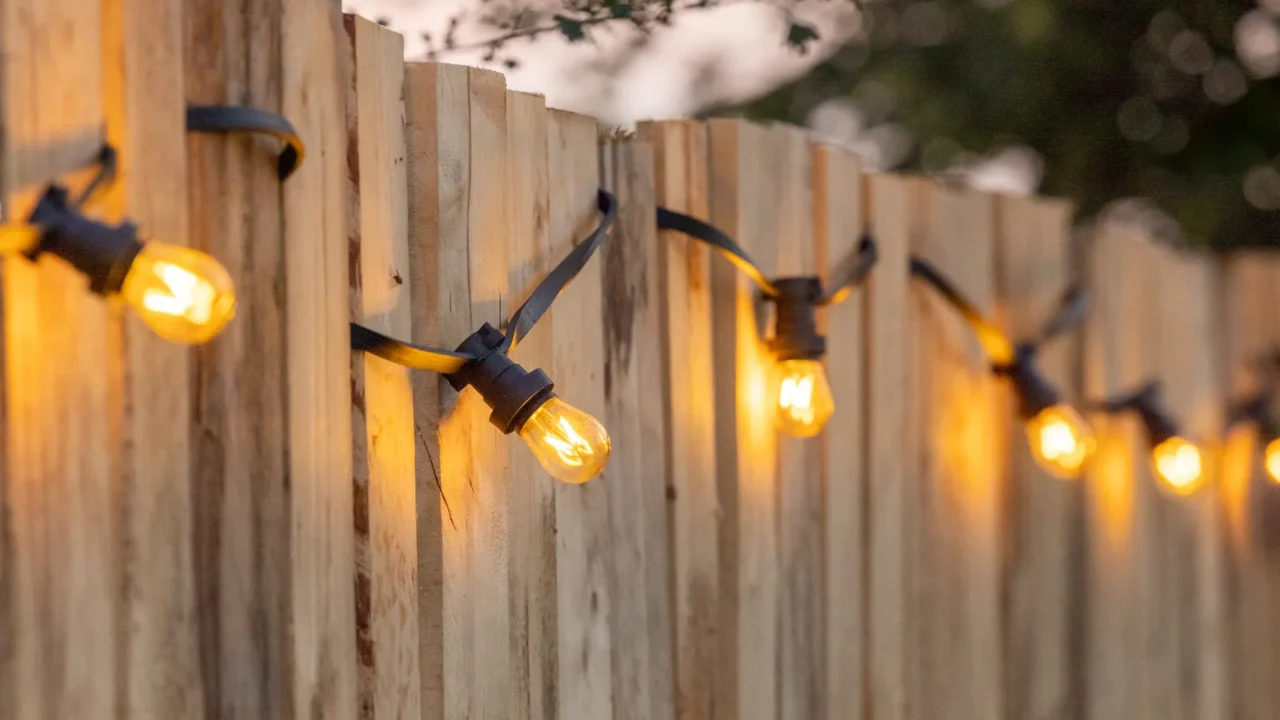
x: 839, y: 219
x: 1251, y: 502
x: 318, y: 342
x: 142, y: 45
x: 799, y: 475
x: 635, y: 480
x: 1043, y: 612
x: 240, y: 504
x: 1119, y: 489
x: 744, y: 203
x: 437, y: 138
x: 386, y: 579
x: 887, y: 324
x: 583, y: 541
x: 59, y: 492
x: 694, y: 510
x: 535, y: 665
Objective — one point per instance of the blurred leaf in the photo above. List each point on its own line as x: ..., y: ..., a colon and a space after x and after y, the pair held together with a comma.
x: 800, y: 35
x: 570, y: 28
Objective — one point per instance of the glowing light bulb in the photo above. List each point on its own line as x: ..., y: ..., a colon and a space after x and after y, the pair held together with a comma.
x: 804, y: 398
x: 571, y: 446
x: 184, y: 295
x: 1179, y: 465
x: 1271, y: 460
x: 1061, y: 441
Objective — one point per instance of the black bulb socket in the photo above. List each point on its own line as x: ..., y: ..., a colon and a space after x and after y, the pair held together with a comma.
x: 1035, y: 394
x: 103, y: 253
x: 511, y: 391
x: 795, y: 329
x: 1147, y: 402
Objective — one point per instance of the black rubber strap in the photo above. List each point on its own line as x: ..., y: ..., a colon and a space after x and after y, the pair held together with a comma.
x: 101, y: 180
x: 854, y: 271
x: 522, y: 320
x: 711, y: 235
x: 231, y: 119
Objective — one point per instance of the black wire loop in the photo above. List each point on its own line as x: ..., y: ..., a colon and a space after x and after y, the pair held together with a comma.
x: 522, y: 320
x: 232, y: 119
x: 846, y: 277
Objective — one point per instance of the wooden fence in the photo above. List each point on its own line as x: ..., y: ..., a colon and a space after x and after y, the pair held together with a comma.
x: 270, y: 526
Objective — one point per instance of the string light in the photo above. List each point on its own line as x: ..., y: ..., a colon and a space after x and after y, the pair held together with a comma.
x: 802, y: 395
x: 1257, y: 410
x: 571, y: 445
x: 1060, y: 440
x: 1177, y: 462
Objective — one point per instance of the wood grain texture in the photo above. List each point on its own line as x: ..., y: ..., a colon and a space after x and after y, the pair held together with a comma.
x: 437, y: 132
x: 1043, y: 563
x: 386, y: 533
x: 1251, y: 502
x: 534, y: 653
x: 801, y: 675
x: 583, y: 547
x: 143, y: 92
x: 1120, y: 494
x: 839, y: 219
x: 318, y: 344
x: 744, y: 204
x: 59, y: 491
x: 955, y: 482
x: 887, y: 328
x: 240, y: 499
x: 681, y: 173
x: 640, y: 614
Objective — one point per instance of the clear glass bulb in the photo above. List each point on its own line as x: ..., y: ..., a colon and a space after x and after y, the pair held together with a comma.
x: 571, y: 446
x: 184, y: 295
x: 1061, y: 441
x: 1179, y: 465
x: 1271, y: 460
x: 804, y: 398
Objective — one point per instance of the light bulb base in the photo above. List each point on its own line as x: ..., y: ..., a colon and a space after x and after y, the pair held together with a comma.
x: 1035, y: 394
x: 795, y: 329
x: 103, y: 253
x: 512, y: 392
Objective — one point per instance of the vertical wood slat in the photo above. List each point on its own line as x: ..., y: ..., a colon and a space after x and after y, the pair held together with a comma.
x: 635, y: 480
x: 61, y: 463
x: 685, y: 288
x: 240, y: 503
x: 535, y: 665
x: 582, y: 511
x: 838, y: 224
x: 1119, y: 490
x: 382, y: 402
x: 799, y: 474
x: 1043, y: 565
x: 744, y: 204
x: 887, y: 327
x: 318, y: 347
x: 954, y: 482
x: 142, y: 46
x: 1250, y: 502
x: 437, y: 138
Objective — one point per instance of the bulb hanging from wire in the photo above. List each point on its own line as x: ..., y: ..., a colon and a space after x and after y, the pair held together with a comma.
x: 1060, y: 440
x: 1271, y: 460
x: 571, y: 445
x: 1179, y: 465
x: 804, y: 398
x: 183, y: 295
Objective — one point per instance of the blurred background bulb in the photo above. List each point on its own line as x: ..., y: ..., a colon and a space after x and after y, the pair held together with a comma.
x: 182, y: 294
x: 571, y: 446
x: 804, y: 398
x: 1061, y: 441
x: 1179, y: 465
x: 1271, y: 460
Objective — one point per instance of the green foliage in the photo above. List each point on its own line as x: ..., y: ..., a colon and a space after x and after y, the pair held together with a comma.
x: 800, y: 35
x: 570, y: 28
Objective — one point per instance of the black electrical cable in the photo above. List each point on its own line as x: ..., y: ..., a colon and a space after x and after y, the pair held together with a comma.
x: 852, y: 272
x: 232, y: 119
x: 1146, y: 401
x: 521, y: 322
